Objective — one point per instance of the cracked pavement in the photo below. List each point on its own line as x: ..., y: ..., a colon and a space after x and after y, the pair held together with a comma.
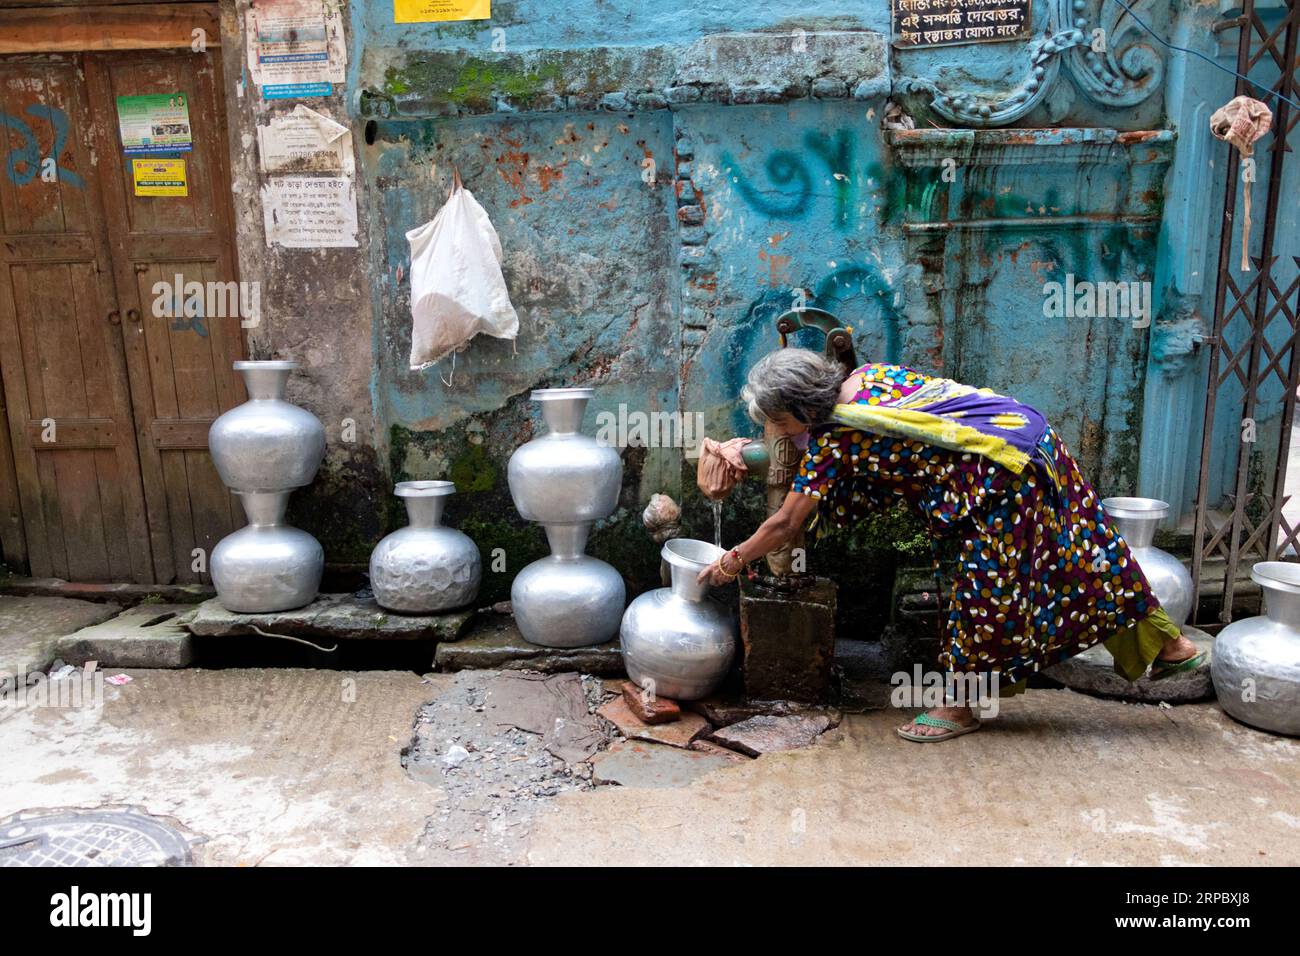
x: 281, y: 767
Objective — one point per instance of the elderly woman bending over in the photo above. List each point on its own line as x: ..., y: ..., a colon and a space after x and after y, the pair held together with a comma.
x: 1042, y: 574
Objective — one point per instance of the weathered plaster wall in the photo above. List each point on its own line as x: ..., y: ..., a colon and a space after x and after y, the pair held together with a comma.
x: 586, y: 243
x: 665, y: 178
x: 315, y: 309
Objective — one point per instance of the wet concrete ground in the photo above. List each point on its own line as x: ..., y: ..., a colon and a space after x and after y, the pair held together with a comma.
x: 279, y: 767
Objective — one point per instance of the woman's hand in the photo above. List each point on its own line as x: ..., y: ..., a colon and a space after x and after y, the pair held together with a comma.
x: 721, y: 466
x: 779, y: 529
x: 714, y: 575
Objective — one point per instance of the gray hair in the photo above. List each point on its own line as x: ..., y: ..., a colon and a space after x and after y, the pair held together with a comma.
x: 797, y: 382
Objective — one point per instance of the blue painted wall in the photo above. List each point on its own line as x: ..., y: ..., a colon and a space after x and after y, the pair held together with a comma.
x: 665, y: 179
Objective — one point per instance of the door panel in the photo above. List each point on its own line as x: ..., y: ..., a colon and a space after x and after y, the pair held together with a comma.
x: 66, y: 394
x: 180, y: 367
x: 104, y: 468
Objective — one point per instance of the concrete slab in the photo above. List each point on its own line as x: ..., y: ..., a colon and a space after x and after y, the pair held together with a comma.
x: 495, y: 643
x: 553, y: 706
x: 721, y: 710
x: 765, y: 735
x: 679, y: 733
x: 1056, y: 779
x: 273, y: 767
x: 1093, y: 672
x: 655, y: 766
x: 30, y: 628
x: 338, y: 616
x: 148, y: 635
x: 704, y: 745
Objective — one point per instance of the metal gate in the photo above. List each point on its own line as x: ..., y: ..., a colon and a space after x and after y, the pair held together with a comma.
x: 1255, y: 338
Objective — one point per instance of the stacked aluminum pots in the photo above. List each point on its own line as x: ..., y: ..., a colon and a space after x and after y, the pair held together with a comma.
x: 1256, y: 662
x: 566, y: 481
x: 677, y: 642
x: 263, y: 450
x: 425, y: 567
x: 1136, y: 519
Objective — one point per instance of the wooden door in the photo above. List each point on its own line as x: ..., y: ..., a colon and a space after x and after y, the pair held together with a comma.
x: 76, y: 476
x: 180, y: 367
x: 107, y: 399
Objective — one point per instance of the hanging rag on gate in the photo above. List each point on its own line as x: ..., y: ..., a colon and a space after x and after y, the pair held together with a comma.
x: 1241, y: 122
x: 457, y: 289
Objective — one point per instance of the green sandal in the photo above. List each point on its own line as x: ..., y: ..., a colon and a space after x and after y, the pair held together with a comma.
x: 1162, y: 669
x: 954, y: 729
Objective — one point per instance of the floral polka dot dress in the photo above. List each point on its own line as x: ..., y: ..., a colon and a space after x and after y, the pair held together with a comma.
x: 1041, y: 574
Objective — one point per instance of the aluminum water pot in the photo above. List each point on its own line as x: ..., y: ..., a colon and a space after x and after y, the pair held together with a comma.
x: 266, y: 565
x: 566, y: 481
x: 425, y: 566
x: 678, y: 642
x: 1136, y: 519
x: 568, y: 599
x: 266, y: 444
x: 1255, y: 662
x: 564, y: 477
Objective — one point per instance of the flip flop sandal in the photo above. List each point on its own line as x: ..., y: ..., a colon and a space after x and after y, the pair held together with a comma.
x: 1162, y: 669
x: 954, y: 729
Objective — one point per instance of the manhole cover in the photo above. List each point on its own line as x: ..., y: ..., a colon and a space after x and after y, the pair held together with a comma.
x: 92, y: 838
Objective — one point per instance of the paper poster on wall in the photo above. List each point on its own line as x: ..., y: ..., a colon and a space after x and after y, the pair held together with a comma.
x: 310, y: 212
x: 434, y: 11
x: 159, y: 177
x: 305, y: 141
x: 157, y: 123
x: 296, y: 48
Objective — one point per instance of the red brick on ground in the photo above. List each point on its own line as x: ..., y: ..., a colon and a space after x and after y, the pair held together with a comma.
x: 679, y: 733
x: 650, y: 708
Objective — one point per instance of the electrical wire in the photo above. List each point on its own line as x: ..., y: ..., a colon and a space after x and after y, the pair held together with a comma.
x: 1213, y: 63
x: 297, y: 640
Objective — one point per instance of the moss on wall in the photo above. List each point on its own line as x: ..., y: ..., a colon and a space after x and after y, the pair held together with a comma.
x: 343, y: 507
x: 470, y: 81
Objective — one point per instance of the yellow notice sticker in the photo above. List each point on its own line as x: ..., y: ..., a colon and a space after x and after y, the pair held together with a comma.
x: 431, y: 11
x: 159, y: 177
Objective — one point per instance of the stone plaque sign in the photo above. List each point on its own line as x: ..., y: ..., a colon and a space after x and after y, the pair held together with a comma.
x: 919, y: 23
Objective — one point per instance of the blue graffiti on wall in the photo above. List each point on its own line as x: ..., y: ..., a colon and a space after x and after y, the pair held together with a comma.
x: 863, y: 279
x: 786, y: 167
x: 755, y: 332
x: 29, y: 154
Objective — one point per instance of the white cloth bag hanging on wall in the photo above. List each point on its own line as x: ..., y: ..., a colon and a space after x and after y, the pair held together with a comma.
x: 457, y: 289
